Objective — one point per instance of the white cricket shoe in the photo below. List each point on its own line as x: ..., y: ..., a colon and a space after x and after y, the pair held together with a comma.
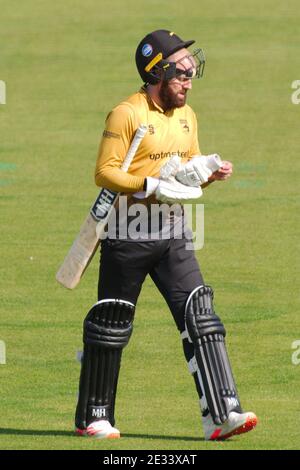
x: 99, y: 430
x: 237, y: 423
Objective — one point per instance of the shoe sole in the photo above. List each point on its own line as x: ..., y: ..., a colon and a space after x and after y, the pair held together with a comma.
x: 250, y: 423
x: 113, y: 435
x: 108, y: 436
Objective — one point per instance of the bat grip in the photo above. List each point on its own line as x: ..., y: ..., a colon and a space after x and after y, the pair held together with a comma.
x: 138, y: 137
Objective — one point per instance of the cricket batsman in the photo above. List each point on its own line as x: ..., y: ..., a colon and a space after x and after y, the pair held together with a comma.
x: 167, y: 170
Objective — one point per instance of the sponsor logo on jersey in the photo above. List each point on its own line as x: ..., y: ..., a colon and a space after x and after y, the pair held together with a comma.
x: 147, y: 50
x: 185, y: 126
x: 162, y: 155
x: 111, y: 135
x: 151, y: 129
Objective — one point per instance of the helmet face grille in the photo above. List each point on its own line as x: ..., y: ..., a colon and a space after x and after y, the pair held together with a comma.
x: 189, y: 67
x: 196, y: 69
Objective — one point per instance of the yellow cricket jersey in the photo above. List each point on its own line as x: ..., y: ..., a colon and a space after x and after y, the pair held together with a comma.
x: 169, y: 133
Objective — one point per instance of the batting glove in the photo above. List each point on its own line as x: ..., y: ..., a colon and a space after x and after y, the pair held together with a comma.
x: 167, y: 189
x: 199, y: 169
x: 170, y: 190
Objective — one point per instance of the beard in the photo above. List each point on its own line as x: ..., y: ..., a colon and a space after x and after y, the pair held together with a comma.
x: 169, y: 98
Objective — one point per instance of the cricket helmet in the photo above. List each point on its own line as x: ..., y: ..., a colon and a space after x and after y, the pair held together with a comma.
x: 152, y: 51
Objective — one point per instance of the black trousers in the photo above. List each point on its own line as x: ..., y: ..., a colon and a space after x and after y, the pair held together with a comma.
x: 124, y: 266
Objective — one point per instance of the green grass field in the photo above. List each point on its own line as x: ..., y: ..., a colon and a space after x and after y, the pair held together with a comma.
x: 65, y: 64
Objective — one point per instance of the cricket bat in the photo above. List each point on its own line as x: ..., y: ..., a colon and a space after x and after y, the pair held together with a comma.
x: 88, y: 239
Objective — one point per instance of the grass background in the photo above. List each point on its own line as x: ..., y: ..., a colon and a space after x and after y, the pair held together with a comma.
x: 65, y: 65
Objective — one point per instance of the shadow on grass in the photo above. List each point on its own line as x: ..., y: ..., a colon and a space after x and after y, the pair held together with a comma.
x: 156, y: 436
x: 167, y: 438
x: 34, y: 432
x: 38, y: 432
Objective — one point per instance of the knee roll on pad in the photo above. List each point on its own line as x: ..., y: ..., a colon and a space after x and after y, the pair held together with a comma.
x: 207, y: 333
x: 109, y: 324
x: 106, y: 331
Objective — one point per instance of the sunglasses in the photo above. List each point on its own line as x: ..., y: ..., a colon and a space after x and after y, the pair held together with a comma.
x: 197, y: 62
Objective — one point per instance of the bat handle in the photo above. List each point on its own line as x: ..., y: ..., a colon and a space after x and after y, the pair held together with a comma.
x: 138, y: 137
